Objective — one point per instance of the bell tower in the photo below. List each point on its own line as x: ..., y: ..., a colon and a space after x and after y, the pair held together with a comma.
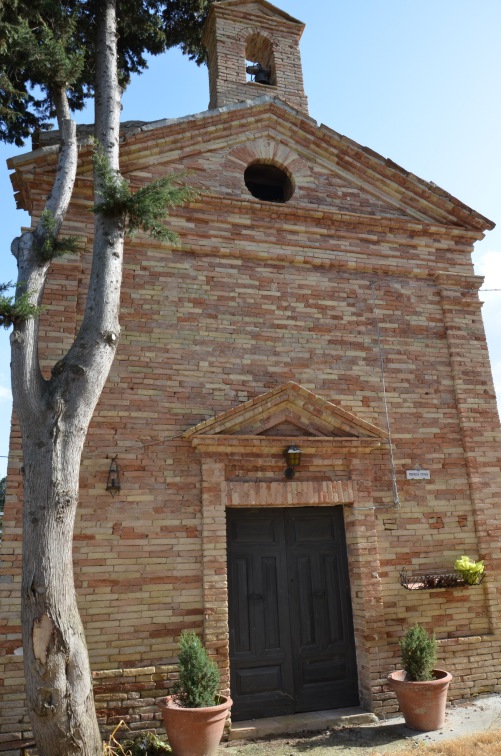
x: 253, y: 49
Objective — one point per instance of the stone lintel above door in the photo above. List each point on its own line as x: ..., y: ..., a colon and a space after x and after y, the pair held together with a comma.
x: 227, y: 444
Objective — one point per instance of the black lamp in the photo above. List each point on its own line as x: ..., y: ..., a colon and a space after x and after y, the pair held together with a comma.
x: 293, y: 457
x: 113, y: 483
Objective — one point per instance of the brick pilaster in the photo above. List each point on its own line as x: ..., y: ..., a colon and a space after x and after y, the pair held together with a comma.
x: 478, y: 419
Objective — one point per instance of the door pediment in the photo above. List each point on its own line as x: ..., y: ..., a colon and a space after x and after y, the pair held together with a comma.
x: 287, y: 411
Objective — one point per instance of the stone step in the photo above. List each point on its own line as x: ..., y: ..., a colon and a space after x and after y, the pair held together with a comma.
x: 253, y: 729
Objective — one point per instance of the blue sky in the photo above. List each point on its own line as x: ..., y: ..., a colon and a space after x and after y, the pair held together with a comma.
x: 419, y: 82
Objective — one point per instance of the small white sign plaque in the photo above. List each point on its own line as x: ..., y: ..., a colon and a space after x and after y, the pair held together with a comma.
x: 417, y: 474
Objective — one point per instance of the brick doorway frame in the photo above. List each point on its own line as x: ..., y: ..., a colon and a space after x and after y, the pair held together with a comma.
x: 349, y: 455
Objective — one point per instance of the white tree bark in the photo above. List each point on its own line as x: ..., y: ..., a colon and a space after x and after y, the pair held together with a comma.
x: 54, y: 416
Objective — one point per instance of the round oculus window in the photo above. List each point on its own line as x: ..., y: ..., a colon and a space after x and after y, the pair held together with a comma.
x: 267, y: 182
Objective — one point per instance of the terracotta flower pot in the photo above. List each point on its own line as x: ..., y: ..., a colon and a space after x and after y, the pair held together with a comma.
x: 194, y: 732
x: 422, y: 703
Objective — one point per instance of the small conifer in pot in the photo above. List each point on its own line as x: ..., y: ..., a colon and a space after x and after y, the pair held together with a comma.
x: 419, y: 654
x: 194, y: 716
x: 421, y: 688
x: 198, y: 675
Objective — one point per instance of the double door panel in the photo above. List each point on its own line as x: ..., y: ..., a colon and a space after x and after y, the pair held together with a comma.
x: 291, y: 632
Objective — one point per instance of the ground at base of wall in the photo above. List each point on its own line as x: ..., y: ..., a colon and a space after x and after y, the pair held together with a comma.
x: 473, y: 719
x: 490, y: 743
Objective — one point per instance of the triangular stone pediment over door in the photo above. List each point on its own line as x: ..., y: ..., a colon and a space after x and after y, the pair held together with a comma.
x: 242, y: 461
x: 289, y: 404
x: 250, y: 440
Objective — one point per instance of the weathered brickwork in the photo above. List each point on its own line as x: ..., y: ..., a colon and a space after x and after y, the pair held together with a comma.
x: 264, y: 319
x: 130, y: 695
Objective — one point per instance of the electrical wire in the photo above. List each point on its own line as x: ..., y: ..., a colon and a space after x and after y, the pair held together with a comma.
x: 396, y: 499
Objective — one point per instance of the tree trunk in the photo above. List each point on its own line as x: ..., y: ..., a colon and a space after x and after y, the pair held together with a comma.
x: 58, y: 677
x: 54, y: 416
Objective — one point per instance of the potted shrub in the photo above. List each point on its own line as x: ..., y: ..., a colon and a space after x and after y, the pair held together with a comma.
x: 421, y: 689
x: 194, y: 716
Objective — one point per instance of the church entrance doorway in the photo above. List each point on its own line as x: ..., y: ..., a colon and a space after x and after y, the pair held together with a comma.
x: 291, y: 633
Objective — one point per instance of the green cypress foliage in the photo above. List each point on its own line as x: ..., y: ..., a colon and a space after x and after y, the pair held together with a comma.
x: 198, y: 675
x: 49, y: 246
x: 15, y: 310
x: 419, y: 653
x: 145, y: 209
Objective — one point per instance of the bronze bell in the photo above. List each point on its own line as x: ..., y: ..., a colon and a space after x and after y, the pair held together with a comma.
x: 261, y: 75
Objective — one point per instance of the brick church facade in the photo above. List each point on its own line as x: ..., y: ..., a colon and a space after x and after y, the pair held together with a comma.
x: 307, y: 266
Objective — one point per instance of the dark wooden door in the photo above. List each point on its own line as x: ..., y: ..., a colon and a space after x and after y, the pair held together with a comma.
x: 291, y: 633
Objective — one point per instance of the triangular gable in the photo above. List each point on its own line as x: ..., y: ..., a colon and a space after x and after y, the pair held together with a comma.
x: 400, y: 191
x: 251, y: 6
x: 370, y: 172
x: 290, y: 404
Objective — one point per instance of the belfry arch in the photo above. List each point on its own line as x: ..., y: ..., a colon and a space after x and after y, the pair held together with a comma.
x: 259, y: 49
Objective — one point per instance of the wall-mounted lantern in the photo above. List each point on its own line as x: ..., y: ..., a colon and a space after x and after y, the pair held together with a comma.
x: 293, y: 457
x: 113, y: 483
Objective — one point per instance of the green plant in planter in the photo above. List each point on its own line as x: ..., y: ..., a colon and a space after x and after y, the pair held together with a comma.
x: 419, y: 653
x: 469, y: 569
x: 198, y: 675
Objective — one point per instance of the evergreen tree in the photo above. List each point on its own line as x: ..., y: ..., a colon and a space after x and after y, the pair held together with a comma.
x: 53, y: 56
x: 198, y: 681
x: 47, y: 45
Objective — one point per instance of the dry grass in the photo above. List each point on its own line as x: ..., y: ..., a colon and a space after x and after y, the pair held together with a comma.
x: 147, y: 742
x: 113, y: 747
x: 482, y: 744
